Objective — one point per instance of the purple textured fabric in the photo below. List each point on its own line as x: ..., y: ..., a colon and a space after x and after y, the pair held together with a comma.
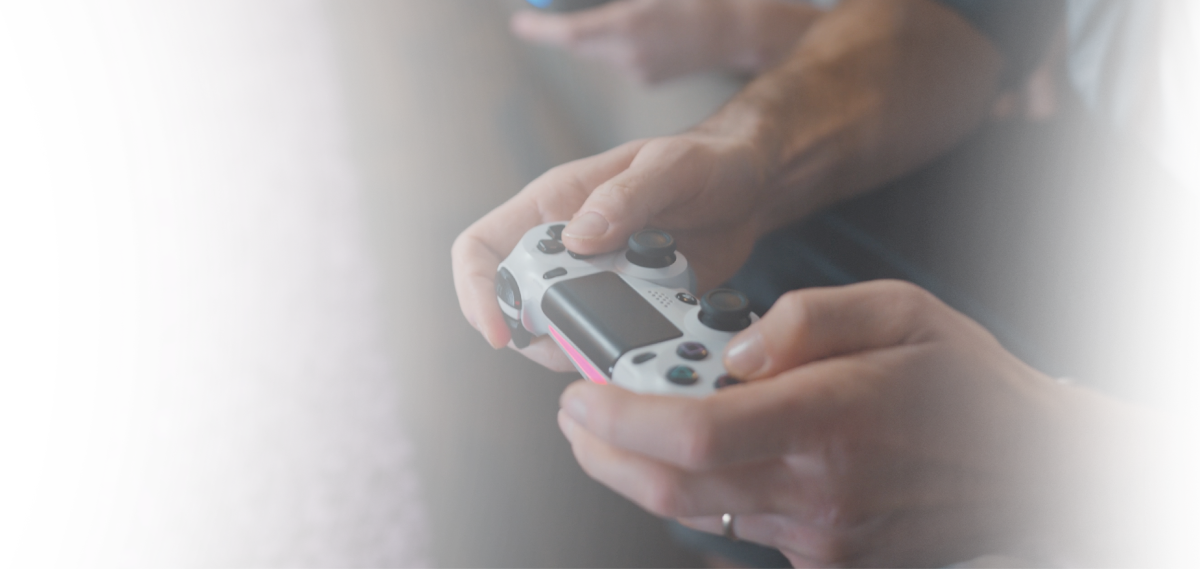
x: 307, y: 456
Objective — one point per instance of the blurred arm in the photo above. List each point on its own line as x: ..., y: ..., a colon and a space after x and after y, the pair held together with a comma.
x: 875, y: 89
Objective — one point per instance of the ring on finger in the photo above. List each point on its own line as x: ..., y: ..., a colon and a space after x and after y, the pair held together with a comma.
x: 727, y: 527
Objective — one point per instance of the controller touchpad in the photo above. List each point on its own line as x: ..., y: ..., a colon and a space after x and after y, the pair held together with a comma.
x: 605, y: 317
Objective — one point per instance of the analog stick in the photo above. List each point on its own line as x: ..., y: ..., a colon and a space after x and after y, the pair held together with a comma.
x: 651, y: 248
x: 725, y: 309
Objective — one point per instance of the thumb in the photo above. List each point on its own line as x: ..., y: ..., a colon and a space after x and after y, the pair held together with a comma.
x: 654, y: 181
x: 818, y: 323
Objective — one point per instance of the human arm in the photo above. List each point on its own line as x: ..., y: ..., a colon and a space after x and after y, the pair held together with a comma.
x: 882, y: 428
x: 875, y: 89
x: 656, y: 40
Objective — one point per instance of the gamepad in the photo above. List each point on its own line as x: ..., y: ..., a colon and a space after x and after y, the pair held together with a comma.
x: 629, y: 317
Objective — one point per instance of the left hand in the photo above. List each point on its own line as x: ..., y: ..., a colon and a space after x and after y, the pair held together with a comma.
x: 881, y: 428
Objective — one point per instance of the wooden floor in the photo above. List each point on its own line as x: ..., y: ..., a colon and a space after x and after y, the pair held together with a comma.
x: 449, y: 121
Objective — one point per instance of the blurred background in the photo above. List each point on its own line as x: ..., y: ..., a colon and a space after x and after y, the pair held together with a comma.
x: 450, y: 115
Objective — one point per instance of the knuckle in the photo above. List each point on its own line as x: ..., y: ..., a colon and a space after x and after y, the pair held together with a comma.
x: 794, y: 304
x: 663, y: 495
x: 697, y: 442
x: 461, y: 245
x: 911, y: 302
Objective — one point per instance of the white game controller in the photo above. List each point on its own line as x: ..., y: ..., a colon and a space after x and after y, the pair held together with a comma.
x: 629, y: 317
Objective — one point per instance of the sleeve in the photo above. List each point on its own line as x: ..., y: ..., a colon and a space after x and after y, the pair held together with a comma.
x: 1020, y: 29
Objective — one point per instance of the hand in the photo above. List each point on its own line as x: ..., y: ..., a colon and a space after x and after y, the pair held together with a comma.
x: 703, y: 188
x: 1038, y: 100
x: 880, y: 428
x: 655, y: 40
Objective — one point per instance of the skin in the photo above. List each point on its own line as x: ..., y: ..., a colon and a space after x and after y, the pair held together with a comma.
x: 880, y: 427
x: 655, y: 40
x: 651, y: 41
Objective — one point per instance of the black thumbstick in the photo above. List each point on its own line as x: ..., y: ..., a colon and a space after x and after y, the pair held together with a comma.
x: 725, y: 309
x: 651, y: 248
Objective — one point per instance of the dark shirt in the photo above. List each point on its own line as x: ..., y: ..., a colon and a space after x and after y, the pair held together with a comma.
x: 1108, y: 42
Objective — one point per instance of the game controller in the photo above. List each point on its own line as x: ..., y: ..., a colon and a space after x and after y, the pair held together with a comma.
x: 630, y: 317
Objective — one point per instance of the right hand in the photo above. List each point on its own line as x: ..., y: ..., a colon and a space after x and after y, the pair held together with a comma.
x: 703, y: 188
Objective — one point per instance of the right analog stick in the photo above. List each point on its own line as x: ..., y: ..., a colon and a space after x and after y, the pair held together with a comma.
x: 651, y: 248
x: 725, y: 309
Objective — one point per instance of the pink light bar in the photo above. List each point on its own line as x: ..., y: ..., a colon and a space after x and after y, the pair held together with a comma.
x: 581, y: 362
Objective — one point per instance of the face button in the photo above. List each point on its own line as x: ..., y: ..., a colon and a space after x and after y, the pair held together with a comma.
x: 550, y: 246
x: 682, y: 375
x: 727, y: 380
x: 506, y: 288
x: 575, y: 255
x: 643, y: 358
x: 555, y: 272
x: 725, y: 309
x: 694, y: 351
x: 686, y: 298
x: 651, y: 248
x: 555, y: 232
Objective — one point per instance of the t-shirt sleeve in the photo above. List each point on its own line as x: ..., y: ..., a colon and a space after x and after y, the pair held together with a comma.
x: 1020, y: 29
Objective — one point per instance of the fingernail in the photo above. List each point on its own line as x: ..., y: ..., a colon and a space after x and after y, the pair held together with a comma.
x: 575, y: 407
x: 566, y: 424
x: 587, y: 226
x: 746, y: 355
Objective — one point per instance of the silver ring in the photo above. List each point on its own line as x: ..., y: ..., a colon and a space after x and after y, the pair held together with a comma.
x: 727, y: 527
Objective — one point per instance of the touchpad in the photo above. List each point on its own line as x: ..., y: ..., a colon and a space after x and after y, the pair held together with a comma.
x: 604, y: 317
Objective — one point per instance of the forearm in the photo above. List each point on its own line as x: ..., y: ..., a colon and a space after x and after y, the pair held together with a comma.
x: 875, y: 89
x: 761, y: 33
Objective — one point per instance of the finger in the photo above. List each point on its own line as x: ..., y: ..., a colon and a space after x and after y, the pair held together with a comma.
x: 789, y: 414
x: 545, y: 352
x: 813, y: 324
x: 664, y: 172
x: 763, y: 529
x: 553, y: 196
x: 669, y: 491
x: 805, y: 545
x: 567, y: 30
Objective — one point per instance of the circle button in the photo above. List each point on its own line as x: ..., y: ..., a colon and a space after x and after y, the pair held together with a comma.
x: 694, y: 351
x: 686, y: 298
